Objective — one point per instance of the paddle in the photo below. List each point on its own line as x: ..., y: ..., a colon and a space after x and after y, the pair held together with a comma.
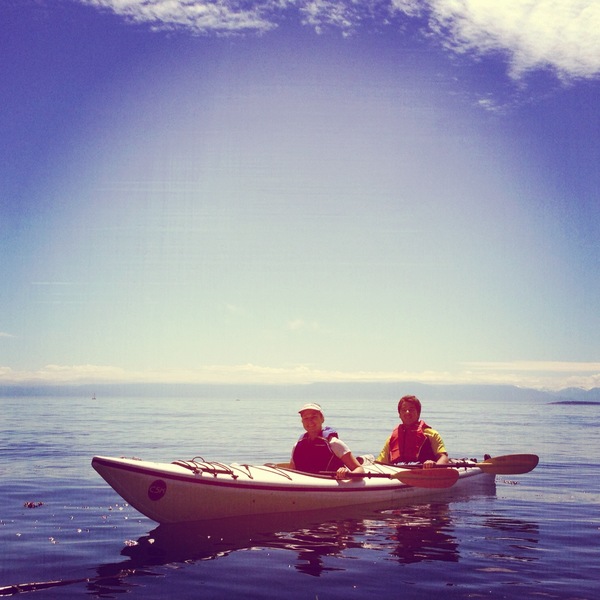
x: 427, y: 478
x: 509, y: 464
x: 423, y: 478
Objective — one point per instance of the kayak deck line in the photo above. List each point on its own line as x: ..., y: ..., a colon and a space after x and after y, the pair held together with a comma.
x: 211, y: 477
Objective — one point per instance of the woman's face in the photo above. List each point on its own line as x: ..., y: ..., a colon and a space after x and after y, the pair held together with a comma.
x: 312, y: 421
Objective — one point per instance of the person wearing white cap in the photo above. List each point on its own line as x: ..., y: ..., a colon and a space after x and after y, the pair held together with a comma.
x: 320, y: 449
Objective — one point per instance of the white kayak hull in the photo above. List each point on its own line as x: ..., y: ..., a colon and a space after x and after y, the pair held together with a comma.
x: 189, y: 491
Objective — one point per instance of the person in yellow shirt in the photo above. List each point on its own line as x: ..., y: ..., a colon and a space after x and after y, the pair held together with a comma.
x: 413, y: 440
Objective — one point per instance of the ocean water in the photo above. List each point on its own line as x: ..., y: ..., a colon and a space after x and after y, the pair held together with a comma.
x: 64, y: 533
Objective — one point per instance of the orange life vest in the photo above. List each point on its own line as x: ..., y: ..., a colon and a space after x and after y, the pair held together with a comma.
x: 410, y: 444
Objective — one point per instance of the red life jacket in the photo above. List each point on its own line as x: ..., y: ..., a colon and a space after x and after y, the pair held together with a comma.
x: 313, y: 456
x: 410, y: 444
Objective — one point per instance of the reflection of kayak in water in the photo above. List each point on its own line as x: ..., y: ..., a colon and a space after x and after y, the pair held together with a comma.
x: 411, y: 534
x: 187, y: 491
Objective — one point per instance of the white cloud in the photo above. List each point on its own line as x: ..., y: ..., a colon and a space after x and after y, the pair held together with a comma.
x: 234, y: 309
x: 537, y: 366
x: 532, y: 374
x: 557, y: 34
x: 553, y: 375
x: 4, y: 334
x: 346, y: 16
x: 224, y: 16
x: 561, y: 35
x: 301, y: 324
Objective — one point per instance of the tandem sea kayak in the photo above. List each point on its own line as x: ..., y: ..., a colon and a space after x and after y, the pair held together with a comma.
x: 196, y: 490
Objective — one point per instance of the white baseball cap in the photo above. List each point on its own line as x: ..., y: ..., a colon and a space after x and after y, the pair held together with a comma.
x: 311, y: 406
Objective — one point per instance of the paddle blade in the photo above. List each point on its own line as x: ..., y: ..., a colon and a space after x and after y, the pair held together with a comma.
x: 511, y: 464
x: 427, y: 478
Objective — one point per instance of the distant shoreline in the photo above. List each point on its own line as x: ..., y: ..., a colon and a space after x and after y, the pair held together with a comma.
x: 578, y: 402
x: 359, y: 391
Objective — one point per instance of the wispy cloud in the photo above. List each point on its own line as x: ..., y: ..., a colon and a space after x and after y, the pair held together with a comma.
x: 302, y: 325
x: 4, y: 334
x: 536, y: 366
x: 348, y: 15
x: 559, y: 35
x: 221, y: 16
x: 234, y: 309
x: 536, y: 375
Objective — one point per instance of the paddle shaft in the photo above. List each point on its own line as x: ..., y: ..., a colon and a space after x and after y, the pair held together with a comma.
x: 424, y: 478
x: 367, y: 475
x: 509, y: 464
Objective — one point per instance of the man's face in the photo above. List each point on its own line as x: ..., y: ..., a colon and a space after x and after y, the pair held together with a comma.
x: 408, y: 413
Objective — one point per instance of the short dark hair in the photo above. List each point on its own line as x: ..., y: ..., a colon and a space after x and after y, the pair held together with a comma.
x: 411, y: 400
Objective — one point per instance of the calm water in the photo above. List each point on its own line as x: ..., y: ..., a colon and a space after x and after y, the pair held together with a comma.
x: 536, y: 536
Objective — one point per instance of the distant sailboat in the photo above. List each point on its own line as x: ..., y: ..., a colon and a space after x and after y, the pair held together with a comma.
x: 94, y: 396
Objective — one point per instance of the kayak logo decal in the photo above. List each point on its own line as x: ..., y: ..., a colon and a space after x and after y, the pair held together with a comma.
x: 157, y: 489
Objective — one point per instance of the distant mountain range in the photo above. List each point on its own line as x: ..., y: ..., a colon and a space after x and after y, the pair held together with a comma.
x: 313, y: 391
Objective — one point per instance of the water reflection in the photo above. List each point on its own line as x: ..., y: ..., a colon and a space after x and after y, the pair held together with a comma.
x: 312, y: 536
x: 519, y: 536
x: 409, y: 535
x: 424, y: 533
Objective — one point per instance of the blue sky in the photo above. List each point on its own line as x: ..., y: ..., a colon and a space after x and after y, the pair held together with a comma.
x: 294, y: 191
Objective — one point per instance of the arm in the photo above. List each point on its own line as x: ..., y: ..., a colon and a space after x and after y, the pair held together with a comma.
x: 292, y: 465
x: 384, y: 455
x: 442, y: 459
x: 352, y: 466
x: 439, y: 450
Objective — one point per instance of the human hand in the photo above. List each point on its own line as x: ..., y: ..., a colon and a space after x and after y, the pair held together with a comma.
x: 428, y: 464
x: 342, y: 473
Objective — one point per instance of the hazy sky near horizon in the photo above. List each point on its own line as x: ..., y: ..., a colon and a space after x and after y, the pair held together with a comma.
x: 295, y: 191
